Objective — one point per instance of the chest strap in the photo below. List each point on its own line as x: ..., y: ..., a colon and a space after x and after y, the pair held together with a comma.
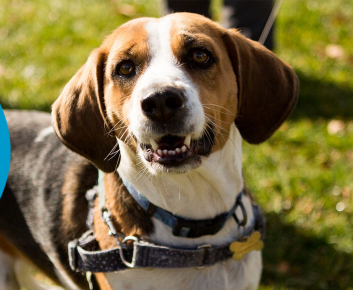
x: 84, y: 253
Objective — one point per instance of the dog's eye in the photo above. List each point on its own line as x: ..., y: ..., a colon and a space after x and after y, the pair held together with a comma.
x: 199, y: 56
x: 126, y: 68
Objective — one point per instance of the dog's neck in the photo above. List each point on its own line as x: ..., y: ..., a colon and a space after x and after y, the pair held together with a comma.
x: 206, y: 192
x: 203, y: 193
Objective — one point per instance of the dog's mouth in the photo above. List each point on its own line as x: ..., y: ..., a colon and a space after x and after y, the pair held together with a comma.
x: 175, y: 151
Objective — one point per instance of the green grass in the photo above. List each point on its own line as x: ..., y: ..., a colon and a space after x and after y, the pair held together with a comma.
x: 45, y: 42
x: 302, y: 176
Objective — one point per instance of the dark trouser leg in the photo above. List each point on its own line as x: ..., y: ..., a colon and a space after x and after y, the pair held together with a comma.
x: 250, y: 16
x: 195, y: 6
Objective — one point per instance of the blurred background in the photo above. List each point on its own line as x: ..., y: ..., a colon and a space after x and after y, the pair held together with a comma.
x: 302, y: 177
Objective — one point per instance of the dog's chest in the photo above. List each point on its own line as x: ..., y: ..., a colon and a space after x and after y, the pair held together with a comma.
x: 228, y: 275
x: 200, y: 197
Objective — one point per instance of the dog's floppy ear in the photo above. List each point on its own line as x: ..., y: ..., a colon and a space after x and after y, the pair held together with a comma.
x: 79, y: 116
x: 267, y: 87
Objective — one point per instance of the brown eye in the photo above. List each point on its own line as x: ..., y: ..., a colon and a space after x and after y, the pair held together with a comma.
x: 199, y: 56
x: 126, y: 68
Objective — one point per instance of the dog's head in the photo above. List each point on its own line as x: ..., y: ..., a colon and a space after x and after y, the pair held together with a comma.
x: 170, y: 88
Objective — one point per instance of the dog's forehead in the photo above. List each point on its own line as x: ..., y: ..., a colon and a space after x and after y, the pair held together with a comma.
x: 174, y: 28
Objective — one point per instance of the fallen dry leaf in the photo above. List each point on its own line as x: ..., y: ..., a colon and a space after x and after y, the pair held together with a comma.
x: 334, y: 51
x: 335, y: 127
x: 283, y: 267
x: 127, y: 10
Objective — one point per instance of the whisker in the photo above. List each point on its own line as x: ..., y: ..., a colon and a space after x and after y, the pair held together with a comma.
x: 230, y: 112
x: 117, y: 163
x: 224, y: 136
x: 143, y: 171
x: 112, y: 129
x: 229, y: 123
x: 122, y: 136
x: 112, y: 151
x: 216, y: 125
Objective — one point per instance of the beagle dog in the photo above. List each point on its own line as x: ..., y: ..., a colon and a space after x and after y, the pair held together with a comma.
x: 160, y: 109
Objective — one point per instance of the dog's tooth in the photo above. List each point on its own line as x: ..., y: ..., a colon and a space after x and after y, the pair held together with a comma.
x: 177, y: 150
x: 171, y: 152
x: 154, y: 144
x: 165, y: 152
x: 160, y: 152
x: 183, y: 149
x: 187, y: 140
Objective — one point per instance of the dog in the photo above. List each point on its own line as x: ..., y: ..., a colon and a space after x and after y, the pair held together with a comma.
x: 157, y: 115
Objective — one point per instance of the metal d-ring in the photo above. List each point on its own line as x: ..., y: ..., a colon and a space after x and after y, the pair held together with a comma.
x: 121, y: 252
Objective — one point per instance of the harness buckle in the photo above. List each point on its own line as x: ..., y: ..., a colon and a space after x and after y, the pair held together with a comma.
x: 121, y: 252
x: 198, y: 228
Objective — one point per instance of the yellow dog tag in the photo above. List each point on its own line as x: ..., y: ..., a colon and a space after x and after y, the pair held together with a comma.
x: 240, y: 248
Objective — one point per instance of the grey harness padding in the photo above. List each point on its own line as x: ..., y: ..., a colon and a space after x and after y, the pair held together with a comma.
x: 85, y: 255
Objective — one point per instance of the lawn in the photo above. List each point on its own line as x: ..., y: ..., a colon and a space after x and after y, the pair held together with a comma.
x: 302, y: 176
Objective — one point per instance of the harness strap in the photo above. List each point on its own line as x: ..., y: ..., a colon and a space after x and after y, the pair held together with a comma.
x: 84, y: 253
x: 181, y: 227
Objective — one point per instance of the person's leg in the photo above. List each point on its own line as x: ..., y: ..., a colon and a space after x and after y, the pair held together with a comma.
x: 250, y: 16
x: 195, y: 6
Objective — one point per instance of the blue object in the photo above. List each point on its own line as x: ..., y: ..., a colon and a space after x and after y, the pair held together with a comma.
x: 5, y: 151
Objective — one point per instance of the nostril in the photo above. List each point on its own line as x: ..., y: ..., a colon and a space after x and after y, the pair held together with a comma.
x: 148, y: 105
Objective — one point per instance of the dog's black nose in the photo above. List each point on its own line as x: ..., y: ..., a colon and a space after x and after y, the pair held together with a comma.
x: 162, y: 106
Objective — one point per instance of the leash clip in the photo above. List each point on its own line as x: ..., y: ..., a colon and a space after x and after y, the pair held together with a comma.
x: 122, y: 245
x: 112, y: 231
x: 121, y: 252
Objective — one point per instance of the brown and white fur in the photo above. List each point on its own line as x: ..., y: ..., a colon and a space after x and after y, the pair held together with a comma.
x: 206, y: 86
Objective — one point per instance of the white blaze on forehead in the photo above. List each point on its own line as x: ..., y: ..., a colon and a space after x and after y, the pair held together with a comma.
x: 164, y: 70
x: 159, y: 40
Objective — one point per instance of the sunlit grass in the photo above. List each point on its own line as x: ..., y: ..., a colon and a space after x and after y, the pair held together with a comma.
x: 45, y: 42
x: 303, y: 176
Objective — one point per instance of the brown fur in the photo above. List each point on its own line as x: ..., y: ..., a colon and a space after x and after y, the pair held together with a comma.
x: 121, y: 205
x: 78, y: 179
x: 80, y: 120
x: 268, y: 87
x: 102, y: 281
x: 7, y: 248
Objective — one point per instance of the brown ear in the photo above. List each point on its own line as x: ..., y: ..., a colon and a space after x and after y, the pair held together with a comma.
x: 79, y: 116
x: 267, y: 87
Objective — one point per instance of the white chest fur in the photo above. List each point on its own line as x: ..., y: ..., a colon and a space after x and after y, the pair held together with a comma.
x: 207, y: 191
